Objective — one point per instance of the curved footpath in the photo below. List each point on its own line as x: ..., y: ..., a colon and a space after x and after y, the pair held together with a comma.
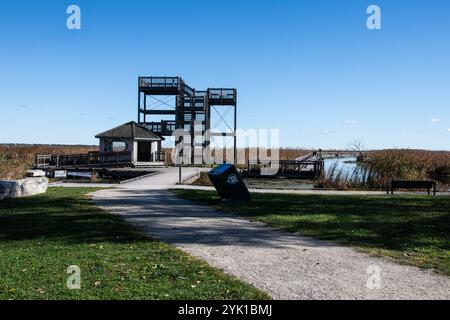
x: 287, y: 266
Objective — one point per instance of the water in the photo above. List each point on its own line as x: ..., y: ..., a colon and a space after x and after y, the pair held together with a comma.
x: 77, y: 174
x: 346, y: 166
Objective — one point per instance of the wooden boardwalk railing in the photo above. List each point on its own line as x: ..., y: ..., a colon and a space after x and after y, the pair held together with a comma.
x: 90, y: 159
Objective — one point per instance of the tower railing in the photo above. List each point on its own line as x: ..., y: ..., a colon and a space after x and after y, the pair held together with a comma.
x: 222, y: 96
x: 159, y: 82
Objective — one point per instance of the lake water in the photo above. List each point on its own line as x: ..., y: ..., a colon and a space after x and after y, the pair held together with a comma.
x: 346, y: 165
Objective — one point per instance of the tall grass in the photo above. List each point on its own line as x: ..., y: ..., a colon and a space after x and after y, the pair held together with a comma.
x: 337, y: 177
x: 381, y: 166
x: 407, y: 164
x: 15, y: 160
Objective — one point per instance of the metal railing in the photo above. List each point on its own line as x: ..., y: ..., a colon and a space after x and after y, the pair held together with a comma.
x: 79, y: 160
x: 222, y: 94
x: 159, y: 82
x: 159, y: 156
x: 43, y: 161
x: 164, y: 127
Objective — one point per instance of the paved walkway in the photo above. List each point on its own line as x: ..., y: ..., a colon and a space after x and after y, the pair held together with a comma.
x: 165, y: 179
x: 287, y: 266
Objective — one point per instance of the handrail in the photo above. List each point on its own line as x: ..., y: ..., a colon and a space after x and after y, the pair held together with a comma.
x: 220, y: 93
x: 43, y: 160
x: 159, y: 82
x: 92, y: 158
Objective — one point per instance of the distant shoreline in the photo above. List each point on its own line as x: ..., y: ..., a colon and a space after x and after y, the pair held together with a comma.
x: 282, y: 148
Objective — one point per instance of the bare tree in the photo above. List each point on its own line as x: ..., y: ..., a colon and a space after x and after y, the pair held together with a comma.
x: 357, y: 145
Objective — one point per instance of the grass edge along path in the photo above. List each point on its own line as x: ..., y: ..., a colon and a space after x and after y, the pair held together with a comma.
x: 410, y: 229
x: 41, y: 236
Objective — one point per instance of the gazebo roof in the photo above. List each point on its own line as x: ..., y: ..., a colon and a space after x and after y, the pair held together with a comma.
x: 130, y: 130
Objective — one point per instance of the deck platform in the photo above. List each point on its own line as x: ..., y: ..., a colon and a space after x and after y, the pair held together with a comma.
x: 308, y: 167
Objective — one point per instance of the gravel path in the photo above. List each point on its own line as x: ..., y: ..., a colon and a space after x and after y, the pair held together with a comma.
x: 286, y: 266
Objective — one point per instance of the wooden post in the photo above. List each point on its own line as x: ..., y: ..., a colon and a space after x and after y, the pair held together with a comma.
x: 179, y: 174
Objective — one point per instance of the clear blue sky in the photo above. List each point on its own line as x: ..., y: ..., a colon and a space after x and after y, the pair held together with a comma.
x: 310, y: 68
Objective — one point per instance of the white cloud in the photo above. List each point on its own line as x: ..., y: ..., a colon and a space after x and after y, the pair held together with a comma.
x: 435, y: 120
x: 352, y: 122
x: 448, y: 130
x: 28, y: 107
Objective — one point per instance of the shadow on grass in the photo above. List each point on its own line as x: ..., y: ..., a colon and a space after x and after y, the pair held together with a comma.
x: 176, y: 221
x: 387, y: 222
x: 61, y: 215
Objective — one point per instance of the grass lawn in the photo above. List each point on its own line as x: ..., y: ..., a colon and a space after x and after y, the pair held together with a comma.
x: 41, y: 236
x: 411, y: 229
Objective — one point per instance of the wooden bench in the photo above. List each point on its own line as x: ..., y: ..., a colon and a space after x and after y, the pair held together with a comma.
x: 402, y: 184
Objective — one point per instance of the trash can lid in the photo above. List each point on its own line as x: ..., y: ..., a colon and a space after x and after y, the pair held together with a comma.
x: 220, y: 169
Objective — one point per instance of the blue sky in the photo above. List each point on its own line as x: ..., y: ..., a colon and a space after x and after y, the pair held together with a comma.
x: 310, y: 68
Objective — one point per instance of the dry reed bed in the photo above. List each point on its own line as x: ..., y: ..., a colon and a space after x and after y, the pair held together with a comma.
x: 381, y: 166
x: 15, y: 160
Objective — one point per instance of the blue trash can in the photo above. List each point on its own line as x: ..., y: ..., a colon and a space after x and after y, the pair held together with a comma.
x: 228, y: 183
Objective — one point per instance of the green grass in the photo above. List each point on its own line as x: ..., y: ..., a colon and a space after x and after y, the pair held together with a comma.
x: 41, y: 236
x: 411, y: 229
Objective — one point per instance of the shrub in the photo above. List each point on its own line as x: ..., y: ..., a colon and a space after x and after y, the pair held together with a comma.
x: 441, y: 174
